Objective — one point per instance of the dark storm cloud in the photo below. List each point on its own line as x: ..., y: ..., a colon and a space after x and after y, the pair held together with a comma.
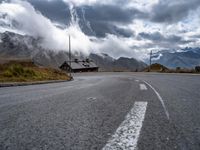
x: 103, y: 28
x: 111, y: 13
x: 124, y: 32
x: 55, y: 10
x: 173, y: 11
x: 197, y: 36
x: 103, y: 18
x: 165, y: 11
x: 157, y: 37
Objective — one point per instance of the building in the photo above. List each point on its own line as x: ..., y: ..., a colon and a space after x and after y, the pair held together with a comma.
x: 80, y: 66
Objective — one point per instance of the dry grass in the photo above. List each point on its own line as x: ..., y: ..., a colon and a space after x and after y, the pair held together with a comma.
x: 26, y: 71
x: 181, y: 71
x: 157, y: 68
x: 160, y: 68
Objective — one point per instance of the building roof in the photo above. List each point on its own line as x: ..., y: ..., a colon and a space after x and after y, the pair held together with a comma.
x: 84, y: 64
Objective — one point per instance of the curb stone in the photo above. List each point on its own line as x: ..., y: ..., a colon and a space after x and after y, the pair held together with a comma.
x: 31, y: 83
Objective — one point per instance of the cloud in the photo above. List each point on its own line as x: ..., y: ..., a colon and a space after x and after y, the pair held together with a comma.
x: 169, y: 11
x: 117, y: 46
x: 101, y: 29
x: 107, y: 21
x: 111, y: 13
x: 22, y: 17
x: 160, y: 41
x: 158, y: 37
x: 31, y: 22
x: 117, y: 27
x: 56, y: 10
x: 92, y: 20
x: 94, y: 2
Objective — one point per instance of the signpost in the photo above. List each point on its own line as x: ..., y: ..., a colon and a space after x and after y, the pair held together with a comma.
x: 150, y: 61
x: 70, y: 56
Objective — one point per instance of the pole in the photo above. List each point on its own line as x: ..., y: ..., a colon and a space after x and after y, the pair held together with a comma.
x: 150, y: 61
x: 70, y: 56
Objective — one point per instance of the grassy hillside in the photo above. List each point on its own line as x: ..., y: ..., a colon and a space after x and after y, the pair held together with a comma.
x: 157, y: 68
x: 27, y: 71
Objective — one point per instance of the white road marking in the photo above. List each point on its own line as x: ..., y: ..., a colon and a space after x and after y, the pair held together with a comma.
x: 160, y: 98
x: 127, y: 134
x: 143, y: 87
x: 136, y: 80
x: 91, y: 98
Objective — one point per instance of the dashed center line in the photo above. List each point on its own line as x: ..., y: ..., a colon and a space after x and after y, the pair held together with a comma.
x: 143, y: 87
x: 127, y: 134
x: 91, y: 98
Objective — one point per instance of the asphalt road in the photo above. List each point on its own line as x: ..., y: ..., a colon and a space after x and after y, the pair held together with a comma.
x: 103, y: 111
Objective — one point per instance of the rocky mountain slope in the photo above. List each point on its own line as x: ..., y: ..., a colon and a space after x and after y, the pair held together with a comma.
x: 185, y: 58
x: 18, y: 46
x: 13, y: 45
x: 107, y: 63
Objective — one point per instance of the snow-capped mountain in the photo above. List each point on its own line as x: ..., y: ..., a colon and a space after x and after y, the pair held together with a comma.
x: 185, y: 58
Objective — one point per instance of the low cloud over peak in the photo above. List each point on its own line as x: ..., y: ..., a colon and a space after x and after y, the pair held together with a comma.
x: 117, y: 27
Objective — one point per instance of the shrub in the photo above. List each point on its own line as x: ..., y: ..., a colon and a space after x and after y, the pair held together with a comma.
x: 29, y: 73
x: 7, y: 73
x: 197, y: 68
x: 178, y: 68
x: 18, y: 71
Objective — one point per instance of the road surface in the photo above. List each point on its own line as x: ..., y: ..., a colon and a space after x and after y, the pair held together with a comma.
x: 103, y: 111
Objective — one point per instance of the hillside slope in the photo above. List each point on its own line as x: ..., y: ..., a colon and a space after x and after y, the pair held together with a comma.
x: 156, y: 68
x: 26, y: 71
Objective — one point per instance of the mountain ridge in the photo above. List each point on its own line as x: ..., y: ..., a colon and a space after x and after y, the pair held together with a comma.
x: 23, y: 46
x: 185, y: 58
x: 121, y: 64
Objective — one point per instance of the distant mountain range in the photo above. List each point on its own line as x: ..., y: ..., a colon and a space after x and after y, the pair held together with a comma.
x: 185, y: 58
x: 13, y: 45
x: 107, y: 63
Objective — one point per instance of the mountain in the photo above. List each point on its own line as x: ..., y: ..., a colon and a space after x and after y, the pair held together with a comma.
x: 14, y: 45
x: 107, y: 63
x: 185, y: 58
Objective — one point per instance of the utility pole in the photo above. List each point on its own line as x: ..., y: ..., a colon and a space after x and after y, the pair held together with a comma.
x: 70, y: 56
x: 150, y: 61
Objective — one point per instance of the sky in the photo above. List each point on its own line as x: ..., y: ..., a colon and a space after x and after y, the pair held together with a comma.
x: 120, y: 28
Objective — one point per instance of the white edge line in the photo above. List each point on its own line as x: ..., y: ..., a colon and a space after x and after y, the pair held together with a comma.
x: 160, y: 99
x: 127, y: 134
